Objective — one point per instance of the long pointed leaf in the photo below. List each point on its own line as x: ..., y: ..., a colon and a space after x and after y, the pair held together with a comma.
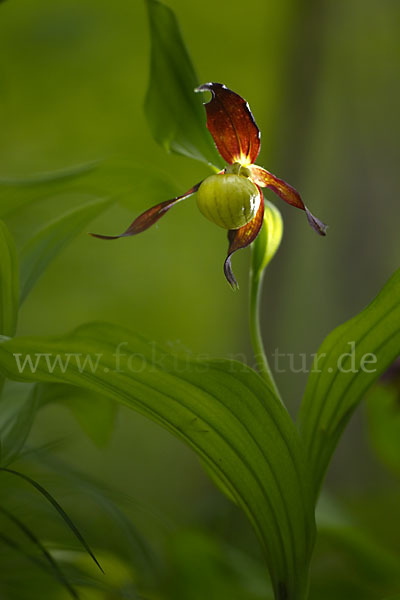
x: 175, y: 113
x: 58, y: 508
x: 222, y: 409
x: 350, y: 359
x: 141, y: 553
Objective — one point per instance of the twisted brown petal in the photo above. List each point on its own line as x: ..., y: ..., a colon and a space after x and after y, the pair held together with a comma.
x: 231, y: 124
x: 285, y: 191
x: 149, y: 217
x: 240, y: 238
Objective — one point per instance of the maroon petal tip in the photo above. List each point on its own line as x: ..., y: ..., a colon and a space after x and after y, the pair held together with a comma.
x: 105, y: 237
x: 289, y: 194
x: 149, y: 217
x: 229, y: 274
x: 315, y: 223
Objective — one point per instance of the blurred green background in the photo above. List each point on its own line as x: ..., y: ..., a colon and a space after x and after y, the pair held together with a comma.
x: 322, y: 79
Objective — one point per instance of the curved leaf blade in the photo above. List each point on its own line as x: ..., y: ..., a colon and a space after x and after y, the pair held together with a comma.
x: 111, y: 503
x: 222, y: 409
x: 350, y: 359
x: 175, y: 113
x: 58, y: 508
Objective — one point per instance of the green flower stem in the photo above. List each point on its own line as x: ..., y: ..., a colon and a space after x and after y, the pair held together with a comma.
x: 255, y: 332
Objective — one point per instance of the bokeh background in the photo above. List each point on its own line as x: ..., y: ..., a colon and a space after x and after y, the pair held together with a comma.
x: 322, y: 79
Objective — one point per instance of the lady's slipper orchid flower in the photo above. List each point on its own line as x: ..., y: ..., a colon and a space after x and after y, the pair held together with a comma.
x: 232, y: 198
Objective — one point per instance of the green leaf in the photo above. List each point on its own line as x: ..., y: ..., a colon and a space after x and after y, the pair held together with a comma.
x: 175, y: 113
x: 383, y: 410
x: 9, y: 288
x: 57, y: 507
x: 268, y: 240
x: 350, y: 359
x: 52, y: 238
x: 222, y: 409
x: 141, y: 554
